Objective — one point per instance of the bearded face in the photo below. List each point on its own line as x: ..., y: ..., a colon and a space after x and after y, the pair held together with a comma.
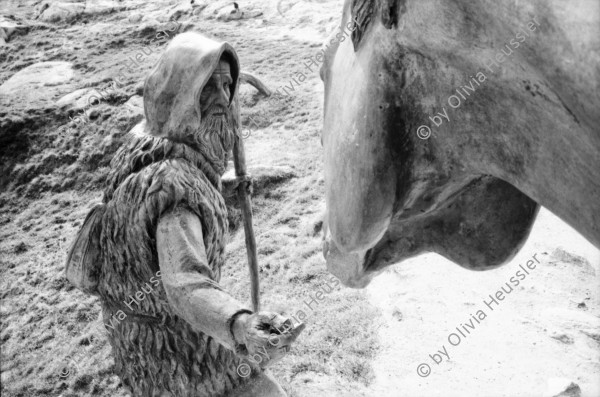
x: 214, y: 137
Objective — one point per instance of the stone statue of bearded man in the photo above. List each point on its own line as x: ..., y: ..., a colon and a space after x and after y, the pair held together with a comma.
x: 163, y: 217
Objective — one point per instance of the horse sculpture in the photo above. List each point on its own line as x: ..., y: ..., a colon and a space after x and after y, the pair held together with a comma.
x: 448, y: 123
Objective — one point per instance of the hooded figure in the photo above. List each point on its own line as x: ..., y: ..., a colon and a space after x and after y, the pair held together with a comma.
x: 153, y: 250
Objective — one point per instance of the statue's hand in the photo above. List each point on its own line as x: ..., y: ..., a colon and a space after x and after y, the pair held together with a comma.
x: 231, y: 183
x: 266, y: 334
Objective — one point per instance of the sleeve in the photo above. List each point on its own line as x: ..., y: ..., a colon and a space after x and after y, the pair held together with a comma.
x: 188, y: 278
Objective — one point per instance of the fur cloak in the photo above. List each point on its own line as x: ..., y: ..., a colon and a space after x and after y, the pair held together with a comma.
x: 115, y: 254
x: 154, y: 349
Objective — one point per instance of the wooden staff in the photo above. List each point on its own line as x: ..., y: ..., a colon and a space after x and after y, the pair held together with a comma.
x: 239, y: 161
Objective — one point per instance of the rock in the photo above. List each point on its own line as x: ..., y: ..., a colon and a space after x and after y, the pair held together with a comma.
x: 37, y: 85
x: 76, y: 101
x: 562, y: 387
x: 83, y: 100
x: 215, y: 7
x: 65, y: 10
x: 10, y: 28
x: 564, y: 338
x: 98, y: 7
x: 153, y: 27
x: 138, y: 89
x: 178, y: 13
x: 230, y: 14
x: 571, y: 259
x: 135, y: 18
x: 198, y: 8
x: 136, y: 103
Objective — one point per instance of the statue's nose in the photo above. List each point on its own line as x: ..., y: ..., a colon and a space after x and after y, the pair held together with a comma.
x: 223, y: 98
x: 348, y: 267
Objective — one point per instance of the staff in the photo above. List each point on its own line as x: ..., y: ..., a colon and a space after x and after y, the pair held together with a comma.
x: 239, y: 161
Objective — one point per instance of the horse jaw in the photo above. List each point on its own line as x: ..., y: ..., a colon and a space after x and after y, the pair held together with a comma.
x: 481, y: 227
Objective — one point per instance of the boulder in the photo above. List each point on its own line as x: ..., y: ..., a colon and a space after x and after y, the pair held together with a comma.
x: 36, y: 86
x: 75, y: 101
x: 9, y: 28
x: 55, y: 11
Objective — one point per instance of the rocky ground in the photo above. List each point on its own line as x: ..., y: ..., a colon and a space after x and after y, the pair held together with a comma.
x: 62, y: 117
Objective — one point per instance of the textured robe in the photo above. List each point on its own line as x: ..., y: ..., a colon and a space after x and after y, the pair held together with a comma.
x: 163, y: 210
x: 155, y: 349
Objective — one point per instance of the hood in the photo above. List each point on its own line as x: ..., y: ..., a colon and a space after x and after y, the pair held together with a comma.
x: 173, y: 87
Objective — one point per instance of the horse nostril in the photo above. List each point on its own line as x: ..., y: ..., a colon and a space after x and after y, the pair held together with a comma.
x: 369, y: 256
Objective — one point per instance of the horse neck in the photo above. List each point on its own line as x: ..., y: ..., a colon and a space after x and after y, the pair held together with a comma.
x: 557, y: 167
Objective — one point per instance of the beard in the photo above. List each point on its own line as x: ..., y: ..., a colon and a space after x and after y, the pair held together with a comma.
x: 214, y: 139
